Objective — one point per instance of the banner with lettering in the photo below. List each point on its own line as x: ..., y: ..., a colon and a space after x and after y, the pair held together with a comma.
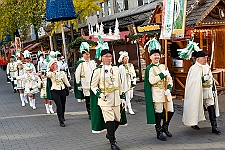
x: 167, y: 19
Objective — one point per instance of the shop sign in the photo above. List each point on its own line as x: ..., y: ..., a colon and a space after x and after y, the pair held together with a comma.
x: 148, y: 28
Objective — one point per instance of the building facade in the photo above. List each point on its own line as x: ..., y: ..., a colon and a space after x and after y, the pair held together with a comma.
x: 110, y: 7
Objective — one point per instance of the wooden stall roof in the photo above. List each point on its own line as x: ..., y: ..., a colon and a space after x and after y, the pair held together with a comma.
x: 199, y: 12
x: 198, y: 15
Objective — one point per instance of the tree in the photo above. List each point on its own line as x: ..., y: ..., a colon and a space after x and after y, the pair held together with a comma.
x: 21, y: 14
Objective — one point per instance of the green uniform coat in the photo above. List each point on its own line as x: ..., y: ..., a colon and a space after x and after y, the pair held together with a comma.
x: 150, y: 112
x: 78, y: 94
x: 97, y: 120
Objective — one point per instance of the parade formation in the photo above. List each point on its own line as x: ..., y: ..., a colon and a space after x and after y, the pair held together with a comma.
x: 108, y: 89
x: 105, y: 77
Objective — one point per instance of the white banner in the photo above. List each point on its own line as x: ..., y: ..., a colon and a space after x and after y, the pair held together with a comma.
x: 167, y: 19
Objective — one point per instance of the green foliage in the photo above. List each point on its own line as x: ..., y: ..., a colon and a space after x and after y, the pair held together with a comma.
x: 120, y: 41
x: 20, y: 14
x: 79, y: 40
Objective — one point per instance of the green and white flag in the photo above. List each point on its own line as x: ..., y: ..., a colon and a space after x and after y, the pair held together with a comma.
x: 167, y: 19
x: 179, y: 18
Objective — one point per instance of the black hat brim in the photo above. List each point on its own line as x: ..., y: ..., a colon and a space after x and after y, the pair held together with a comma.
x: 106, y: 51
x: 154, y: 51
x: 200, y: 54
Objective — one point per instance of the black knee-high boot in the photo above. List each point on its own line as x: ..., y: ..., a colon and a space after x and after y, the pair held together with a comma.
x: 212, y: 118
x: 110, y: 125
x: 61, y: 122
x: 13, y: 87
x: 88, y: 107
x: 158, y: 128
x: 166, y: 124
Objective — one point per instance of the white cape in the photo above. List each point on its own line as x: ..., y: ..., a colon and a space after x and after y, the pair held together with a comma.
x: 193, y: 109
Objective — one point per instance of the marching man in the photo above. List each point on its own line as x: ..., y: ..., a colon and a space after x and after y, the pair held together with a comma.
x: 156, y: 93
x: 200, y: 93
x: 11, y: 70
x: 128, y: 79
x: 106, y: 95
x: 83, y: 73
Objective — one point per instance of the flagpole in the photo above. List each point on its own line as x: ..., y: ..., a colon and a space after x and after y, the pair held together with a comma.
x: 64, y: 42
x: 166, y: 79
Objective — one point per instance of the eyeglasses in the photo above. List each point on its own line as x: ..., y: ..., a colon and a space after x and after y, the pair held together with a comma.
x: 107, y: 56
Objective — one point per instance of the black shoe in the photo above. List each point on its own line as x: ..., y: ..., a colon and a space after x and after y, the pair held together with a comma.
x: 14, y: 91
x: 166, y: 131
x: 114, y: 146
x: 159, y: 132
x: 89, y: 117
x: 62, y: 124
x: 215, y: 130
x: 195, y: 127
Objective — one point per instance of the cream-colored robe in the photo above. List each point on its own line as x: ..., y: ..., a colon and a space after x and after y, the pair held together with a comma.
x: 102, y: 79
x: 158, y: 94
x: 11, y: 70
x: 193, y: 110
x: 83, y: 75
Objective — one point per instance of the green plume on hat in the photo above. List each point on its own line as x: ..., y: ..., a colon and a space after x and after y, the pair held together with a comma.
x: 101, y: 46
x: 57, y: 53
x: 153, y: 44
x: 84, y: 47
x: 39, y: 53
x: 14, y: 57
x: 186, y: 53
x: 26, y: 54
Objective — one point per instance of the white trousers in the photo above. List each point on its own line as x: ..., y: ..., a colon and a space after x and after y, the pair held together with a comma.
x: 160, y: 105
x: 111, y: 113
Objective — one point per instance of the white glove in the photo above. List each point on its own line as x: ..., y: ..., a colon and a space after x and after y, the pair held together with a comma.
x: 102, y: 96
x: 167, y: 92
x: 166, y: 73
x: 206, y: 77
x: 71, y: 91
x: 134, y: 81
x: 79, y: 88
x: 123, y: 102
x: 65, y: 66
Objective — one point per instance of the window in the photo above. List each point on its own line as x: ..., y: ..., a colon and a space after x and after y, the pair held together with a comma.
x: 140, y: 2
x: 125, y: 4
x: 119, y: 5
x: 145, y: 2
x: 109, y: 8
x: 103, y: 9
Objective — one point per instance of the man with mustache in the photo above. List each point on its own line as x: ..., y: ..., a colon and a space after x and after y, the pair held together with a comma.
x: 156, y: 93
